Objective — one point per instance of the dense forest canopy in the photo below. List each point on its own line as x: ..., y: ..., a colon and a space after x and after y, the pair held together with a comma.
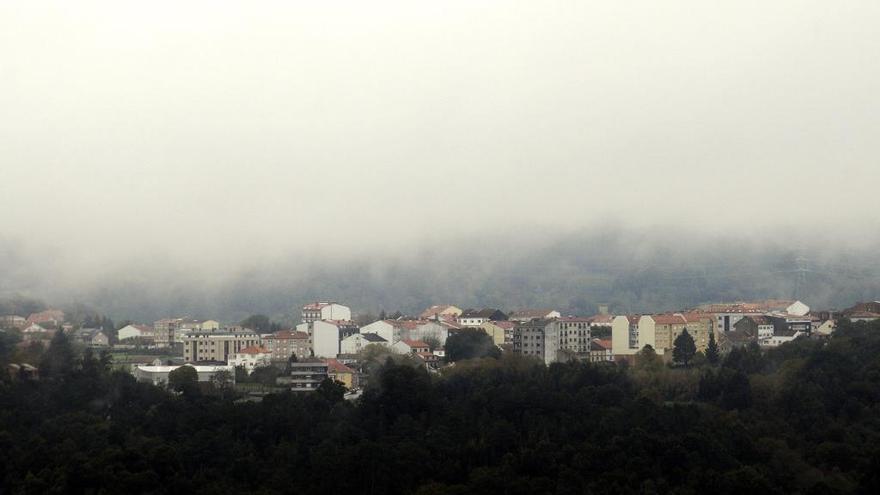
x: 802, y: 418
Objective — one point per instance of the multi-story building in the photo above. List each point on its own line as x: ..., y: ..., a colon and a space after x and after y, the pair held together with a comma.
x: 500, y: 331
x: 217, y: 346
x: 625, y: 335
x: 327, y: 336
x: 327, y: 310
x: 286, y: 342
x: 305, y: 376
x: 12, y: 321
x: 165, y: 331
x: 552, y: 340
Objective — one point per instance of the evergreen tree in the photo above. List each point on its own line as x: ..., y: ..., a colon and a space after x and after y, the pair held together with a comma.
x: 58, y: 361
x: 712, y: 353
x: 684, y: 348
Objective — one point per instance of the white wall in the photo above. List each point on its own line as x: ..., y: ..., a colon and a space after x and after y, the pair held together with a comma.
x: 382, y: 329
x: 335, y: 312
x: 325, y: 339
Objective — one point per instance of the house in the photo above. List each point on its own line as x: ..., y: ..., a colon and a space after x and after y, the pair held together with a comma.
x: 22, y: 371
x: 33, y: 328
x: 600, y: 351
x: 430, y: 360
x: 327, y: 336
x: 396, y: 330
x: 825, y: 328
x: 12, y: 321
x: 524, y: 315
x: 217, y: 346
x: 326, y: 310
x: 49, y: 317
x: 189, y: 325
x: 286, y: 342
x: 473, y: 318
x: 863, y: 311
x: 342, y: 373
x: 158, y: 374
x: 752, y: 328
x: 354, y: 344
x: 305, y: 375
x: 602, y: 321
x: 408, y: 346
x: 135, y: 331
x: 251, y: 358
x: 500, y: 331
x: 92, y: 337
x: 439, y: 312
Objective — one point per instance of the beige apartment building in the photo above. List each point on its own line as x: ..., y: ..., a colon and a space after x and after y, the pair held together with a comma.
x: 217, y: 346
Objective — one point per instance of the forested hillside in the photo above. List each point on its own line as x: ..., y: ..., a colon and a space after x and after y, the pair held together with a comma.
x: 647, y: 272
x: 802, y: 418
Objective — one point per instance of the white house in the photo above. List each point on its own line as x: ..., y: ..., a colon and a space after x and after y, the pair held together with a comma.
x: 408, y: 346
x: 328, y: 310
x: 135, y: 331
x: 354, y: 344
x: 396, y: 330
x: 33, y: 328
x: 251, y: 358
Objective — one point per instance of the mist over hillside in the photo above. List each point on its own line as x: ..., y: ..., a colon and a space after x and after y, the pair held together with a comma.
x: 647, y: 271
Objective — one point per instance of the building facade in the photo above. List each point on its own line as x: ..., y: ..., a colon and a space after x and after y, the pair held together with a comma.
x: 217, y: 346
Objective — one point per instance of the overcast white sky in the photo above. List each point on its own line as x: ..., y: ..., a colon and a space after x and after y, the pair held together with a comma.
x: 137, y: 126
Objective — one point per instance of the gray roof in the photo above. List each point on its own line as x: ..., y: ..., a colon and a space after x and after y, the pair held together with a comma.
x: 372, y: 337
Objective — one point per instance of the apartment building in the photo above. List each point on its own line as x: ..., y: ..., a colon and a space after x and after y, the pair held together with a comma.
x: 217, y: 346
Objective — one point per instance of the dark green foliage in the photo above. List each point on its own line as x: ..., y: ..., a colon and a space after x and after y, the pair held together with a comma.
x: 470, y: 343
x: 184, y: 380
x: 684, y: 348
x: 58, y: 360
x: 803, y: 418
x: 713, y: 355
x: 260, y: 323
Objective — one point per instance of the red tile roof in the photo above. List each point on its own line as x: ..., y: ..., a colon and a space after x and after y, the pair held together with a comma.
x: 415, y: 343
x: 253, y: 350
x: 337, y: 367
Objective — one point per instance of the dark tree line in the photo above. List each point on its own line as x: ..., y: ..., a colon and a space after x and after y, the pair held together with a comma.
x: 799, y: 419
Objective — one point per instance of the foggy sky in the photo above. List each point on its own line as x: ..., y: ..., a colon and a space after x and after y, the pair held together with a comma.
x: 198, y: 133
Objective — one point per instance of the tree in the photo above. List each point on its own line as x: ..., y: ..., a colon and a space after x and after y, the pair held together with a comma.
x: 684, y: 348
x: 712, y: 354
x: 58, y: 361
x: 222, y: 381
x: 185, y: 380
x: 470, y: 343
x: 260, y: 323
x: 648, y: 360
x: 433, y: 342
